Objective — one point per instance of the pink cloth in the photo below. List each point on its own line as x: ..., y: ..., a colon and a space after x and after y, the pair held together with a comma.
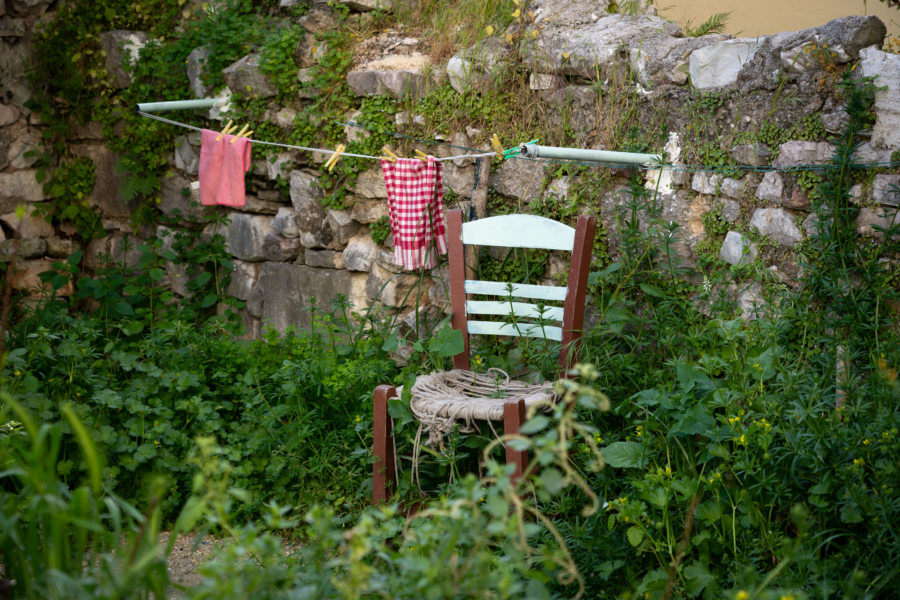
x: 222, y: 168
x: 416, y: 211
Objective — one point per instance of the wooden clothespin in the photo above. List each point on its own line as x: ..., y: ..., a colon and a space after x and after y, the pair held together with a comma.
x: 495, y: 142
x: 332, y: 160
x: 242, y: 133
x: 421, y: 156
x: 388, y: 155
x: 229, y: 127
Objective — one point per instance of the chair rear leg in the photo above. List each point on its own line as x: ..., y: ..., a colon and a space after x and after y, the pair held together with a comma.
x: 513, y: 417
x: 385, y: 468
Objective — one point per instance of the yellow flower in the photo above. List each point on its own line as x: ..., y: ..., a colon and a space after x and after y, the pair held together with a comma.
x: 858, y: 462
x: 742, y: 440
x: 358, y: 418
x: 516, y: 13
x: 489, y: 30
x: 742, y: 595
x: 786, y: 597
x: 17, y: 372
x: 866, y: 442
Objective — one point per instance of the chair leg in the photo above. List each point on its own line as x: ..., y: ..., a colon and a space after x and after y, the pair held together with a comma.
x: 513, y: 417
x: 385, y: 468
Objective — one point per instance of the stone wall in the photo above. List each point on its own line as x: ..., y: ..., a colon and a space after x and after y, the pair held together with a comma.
x: 288, y: 248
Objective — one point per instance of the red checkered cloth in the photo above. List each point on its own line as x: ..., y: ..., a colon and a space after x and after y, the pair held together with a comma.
x: 416, y: 211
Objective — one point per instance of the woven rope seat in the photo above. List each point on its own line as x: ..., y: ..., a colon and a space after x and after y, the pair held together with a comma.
x: 442, y: 399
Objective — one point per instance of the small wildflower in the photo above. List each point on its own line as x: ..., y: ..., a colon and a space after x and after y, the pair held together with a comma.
x: 156, y: 442
x: 858, y: 462
x: 742, y: 595
x: 516, y: 13
x: 17, y: 372
x: 598, y: 439
x: 866, y: 442
x: 358, y: 418
x: 742, y: 440
x: 489, y: 30
x: 668, y: 470
x: 786, y: 597
x: 639, y: 431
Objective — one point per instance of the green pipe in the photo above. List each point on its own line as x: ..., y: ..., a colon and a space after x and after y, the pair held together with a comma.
x: 178, y: 104
x: 579, y: 154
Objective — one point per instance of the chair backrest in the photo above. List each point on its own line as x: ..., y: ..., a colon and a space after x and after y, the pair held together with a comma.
x: 520, y: 231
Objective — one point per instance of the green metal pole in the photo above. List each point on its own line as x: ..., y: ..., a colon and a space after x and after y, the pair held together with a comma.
x: 178, y: 104
x: 580, y: 154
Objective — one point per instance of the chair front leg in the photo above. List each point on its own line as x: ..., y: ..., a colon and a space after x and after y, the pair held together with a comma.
x: 513, y: 417
x: 385, y: 468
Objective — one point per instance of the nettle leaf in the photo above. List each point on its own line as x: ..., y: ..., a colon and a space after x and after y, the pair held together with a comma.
x: 697, y: 577
x: 534, y: 424
x: 448, y: 342
x: 624, y: 455
x: 696, y: 420
x: 635, y: 536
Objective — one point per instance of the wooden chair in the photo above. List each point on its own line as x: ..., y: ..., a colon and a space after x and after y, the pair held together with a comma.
x: 511, y: 231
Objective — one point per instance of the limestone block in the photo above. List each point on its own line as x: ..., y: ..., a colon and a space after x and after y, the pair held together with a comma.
x: 707, y: 183
x: 11, y: 28
x: 306, y: 78
x: 178, y: 197
x: 751, y: 301
x: 737, y: 250
x: 309, y: 51
x: 283, y: 117
x: 15, y: 56
x: 397, y: 75
x: 305, y: 197
x: 886, y: 67
x: 370, y: 184
x: 19, y: 186
x: 836, y: 121
x: 886, y: 189
x: 395, y: 289
x: 753, y: 155
x: 27, y: 278
x: 245, y: 76
x: 777, y: 224
x: 771, y: 189
x: 359, y: 253
x: 718, y: 65
x: 196, y: 64
x: 320, y: 19
x: 187, y: 158
x: 279, y: 166
x: 23, y: 152
x: 279, y: 248
x: 368, y: 211
x: 385, y: 259
x: 663, y: 59
x: 106, y: 195
x: 259, y: 206
x: 325, y: 259
x: 286, y: 223
x: 866, y: 153
x: 28, y: 225
x: 870, y: 218
x: 729, y: 209
x: 545, y: 81
x: 478, y: 66
x: 366, y: 5
x: 121, y: 248
x: 30, y: 248
x: 520, y: 179
x: 61, y: 247
x: 733, y: 188
x: 28, y: 8
x: 122, y: 48
x: 9, y: 114
x: 245, y: 236
x: 461, y: 180
x: 284, y: 291
x: 342, y: 225
x: 791, y: 154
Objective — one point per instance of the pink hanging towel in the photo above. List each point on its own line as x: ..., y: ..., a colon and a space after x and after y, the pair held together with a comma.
x: 222, y: 168
x: 416, y: 211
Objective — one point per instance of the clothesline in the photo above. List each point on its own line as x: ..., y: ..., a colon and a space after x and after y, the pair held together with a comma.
x: 306, y: 148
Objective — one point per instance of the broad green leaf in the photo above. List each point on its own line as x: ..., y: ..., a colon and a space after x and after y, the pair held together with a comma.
x: 124, y: 309
x: 697, y: 577
x: 534, y: 424
x: 635, y: 536
x: 624, y: 455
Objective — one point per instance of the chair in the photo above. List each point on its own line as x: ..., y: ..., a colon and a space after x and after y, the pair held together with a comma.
x: 447, y: 397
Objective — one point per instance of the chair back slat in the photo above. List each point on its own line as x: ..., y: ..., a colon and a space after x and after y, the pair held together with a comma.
x: 519, y: 231
x: 517, y: 309
x: 516, y: 290
x: 515, y: 330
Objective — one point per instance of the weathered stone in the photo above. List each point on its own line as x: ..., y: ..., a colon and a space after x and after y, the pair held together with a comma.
x: 368, y: 211
x: 61, y: 247
x: 122, y: 48
x: 187, y: 159
x: 177, y: 197
x: 196, y: 65
x: 578, y: 38
x: 663, y: 59
x: 28, y: 225
x: 311, y: 216
x: 366, y: 5
x: 751, y: 301
x: 460, y: 180
x: 886, y: 67
x: 9, y: 114
x: 325, y: 259
x: 283, y: 117
x: 845, y: 37
x: 836, y: 121
x: 30, y: 248
x: 309, y: 51
x: 886, y: 189
x: 370, y: 184
x: 395, y: 290
x: 245, y: 236
x: 869, y: 218
x: 718, y: 65
x: 771, y: 189
x: 244, y: 76
x: 797, y: 200
x: 737, y: 250
x: 665, y: 181
x: 385, y: 259
x: 120, y: 248
x: 704, y: 182
x: 27, y: 279
x: 342, y: 225
x: 24, y: 152
x: 400, y: 76
x: 28, y: 8
x: 578, y: 108
x: 520, y: 179
x: 19, y: 186
x: 866, y: 153
x: 107, y: 192
x: 279, y: 166
x: 306, y: 78
x: 258, y: 206
x: 320, y: 19
x: 545, y: 81
x: 777, y: 224
x: 359, y: 253
x: 285, y: 291
x: 792, y: 154
x: 286, y: 223
x: 477, y: 67
x: 243, y: 279
x: 12, y: 28
x: 733, y: 188
x: 279, y: 248
x: 729, y: 209
x: 753, y: 155
x: 15, y: 57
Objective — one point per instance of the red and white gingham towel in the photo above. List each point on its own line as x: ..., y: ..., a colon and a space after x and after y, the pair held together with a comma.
x: 416, y: 211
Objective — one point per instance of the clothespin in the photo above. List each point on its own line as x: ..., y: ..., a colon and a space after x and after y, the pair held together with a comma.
x: 242, y: 132
x: 421, y: 156
x: 388, y: 155
x: 228, y: 129
x: 332, y: 160
x: 517, y: 149
x: 495, y: 142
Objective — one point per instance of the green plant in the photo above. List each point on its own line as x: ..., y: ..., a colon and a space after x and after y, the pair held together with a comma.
x: 380, y: 230
x: 714, y: 24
